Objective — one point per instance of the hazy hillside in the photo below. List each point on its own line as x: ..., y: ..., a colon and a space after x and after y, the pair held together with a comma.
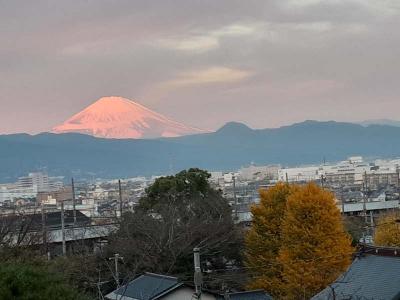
x: 230, y: 147
x: 388, y: 122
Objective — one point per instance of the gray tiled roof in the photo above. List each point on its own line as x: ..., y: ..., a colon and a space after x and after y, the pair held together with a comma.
x: 369, y: 277
x: 146, y: 287
x: 248, y: 295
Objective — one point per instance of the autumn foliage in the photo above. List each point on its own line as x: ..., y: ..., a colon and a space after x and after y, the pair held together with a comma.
x: 263, y: 241
x: 297, y: 244
x: 388, y: 230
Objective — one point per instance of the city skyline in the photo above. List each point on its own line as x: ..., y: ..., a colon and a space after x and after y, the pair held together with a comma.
x: 266, y: 64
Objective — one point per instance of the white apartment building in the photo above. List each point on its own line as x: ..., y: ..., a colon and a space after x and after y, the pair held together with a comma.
x: 351, y: 171
x: 38, y: 180
x: 254, y: 173
x: 28, y: 187
x: 299, y: 174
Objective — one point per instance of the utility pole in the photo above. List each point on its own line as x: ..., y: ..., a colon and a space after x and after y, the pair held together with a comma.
x: 372, y: 226
x: 198, y: 276
x: 234, y: 197
x: 120, y: 197
x: 398, y: 182
x: 322, y: 180
x: 44, y: 235
x: 116, y: 258
x: 365, y: 207
x: 342, y: 200
x: 365, y: 197
x: 64, y: 248
x: 73, y: 200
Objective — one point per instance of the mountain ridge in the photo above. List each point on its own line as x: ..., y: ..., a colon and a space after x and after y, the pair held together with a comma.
x: 388, y: 122
x: 84, y: 156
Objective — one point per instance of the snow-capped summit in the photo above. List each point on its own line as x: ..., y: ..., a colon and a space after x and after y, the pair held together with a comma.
x: 117, y: 117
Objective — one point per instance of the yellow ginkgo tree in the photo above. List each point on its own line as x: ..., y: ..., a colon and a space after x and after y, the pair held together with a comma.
x: 315, y: 248
x: 263, y: 240
x: 297, y: 244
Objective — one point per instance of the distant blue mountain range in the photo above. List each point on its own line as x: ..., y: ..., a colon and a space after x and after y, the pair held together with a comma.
x: 388, y: 122
x: 230, y: 147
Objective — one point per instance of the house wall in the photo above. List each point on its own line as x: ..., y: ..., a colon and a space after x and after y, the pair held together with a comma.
x: 186, y: 294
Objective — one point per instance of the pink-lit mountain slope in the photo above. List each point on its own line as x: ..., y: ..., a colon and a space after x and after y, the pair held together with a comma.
x: 117, y: 117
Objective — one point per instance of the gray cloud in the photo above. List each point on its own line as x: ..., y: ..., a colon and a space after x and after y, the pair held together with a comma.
x: 266, y: 63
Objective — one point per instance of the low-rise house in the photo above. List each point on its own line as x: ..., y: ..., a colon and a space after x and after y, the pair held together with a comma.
x: 374, y: 274
x: 246, y: 295
x: 151, y: 286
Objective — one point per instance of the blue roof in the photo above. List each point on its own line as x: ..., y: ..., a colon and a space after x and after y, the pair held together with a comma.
x: 148, y: 286
x: 368, y: 277
x: 248, y: 295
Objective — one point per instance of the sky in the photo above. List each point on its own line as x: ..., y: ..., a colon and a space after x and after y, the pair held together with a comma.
x: 201, y: 62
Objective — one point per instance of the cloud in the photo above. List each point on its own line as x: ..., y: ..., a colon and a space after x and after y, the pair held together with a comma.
x: 236, y: 30
x: 305, y: 3
x: 201, y: 41
x: 275, y: 53
x: 196, y: 43
x: 210, y: 75
x: 381, y: 8
x: 312, y: 26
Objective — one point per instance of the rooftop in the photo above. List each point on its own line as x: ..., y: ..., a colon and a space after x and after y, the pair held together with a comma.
x: 146, y: 287
x: 375, y: 274
x: 247, y: 295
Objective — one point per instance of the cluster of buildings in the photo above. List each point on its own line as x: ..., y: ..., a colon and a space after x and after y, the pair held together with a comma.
x: 353, y: 171
x: 96, y: 199
x: 56, y: 214
x: 28, y: 187
x: 63, y: 213
x: 360, y: 186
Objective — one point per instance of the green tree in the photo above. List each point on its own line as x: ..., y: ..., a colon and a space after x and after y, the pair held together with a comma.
x: 264, y: 239
x: 355, y: 226
x: 176, y: 214
x: 315, y: 248
x: 27, y: 282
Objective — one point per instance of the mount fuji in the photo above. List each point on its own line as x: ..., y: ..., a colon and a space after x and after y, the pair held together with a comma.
x: 121, y: 118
